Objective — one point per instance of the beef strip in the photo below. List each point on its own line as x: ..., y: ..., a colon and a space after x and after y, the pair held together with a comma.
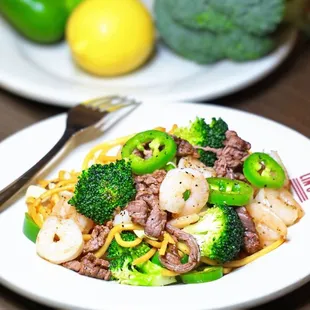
x: 90, y: 266
x: 98, y: 237
x: 184, y: 148
x: 231, y: 157
x: 251, y: 239
x: 156, y: 222
x: 144, y: 210
x: 138, y: 211
x: 169, y: 261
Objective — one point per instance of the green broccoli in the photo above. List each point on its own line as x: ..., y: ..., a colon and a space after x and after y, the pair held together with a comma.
x: 216, y: 133
x: 219, y: 233
x: 206, y: 157
x: 208, y: 31
x: 146, y: 274
x: 103, y: 188
x: 195, y: 133
x: 115, y: 250
x: 254, y: 17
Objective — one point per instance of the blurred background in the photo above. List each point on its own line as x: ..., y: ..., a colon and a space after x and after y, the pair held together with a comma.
x: 252, y: 55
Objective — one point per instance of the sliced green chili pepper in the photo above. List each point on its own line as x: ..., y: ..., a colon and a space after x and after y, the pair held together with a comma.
x: 206, y: 275
x: 160, y: 144
x: 262, y: 170
x: 30, y: 228
x: 229, y: 192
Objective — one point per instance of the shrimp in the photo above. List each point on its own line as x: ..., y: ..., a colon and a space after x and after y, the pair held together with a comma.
x: 269, y: 226
x: 278, y: 159
x: 64, y: 210
x: 282, y: 203
x: 179, y: 181
x: 193, y: 163
x: 59, y: 240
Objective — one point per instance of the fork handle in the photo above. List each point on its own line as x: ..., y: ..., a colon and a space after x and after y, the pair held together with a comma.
x: 19, y: 183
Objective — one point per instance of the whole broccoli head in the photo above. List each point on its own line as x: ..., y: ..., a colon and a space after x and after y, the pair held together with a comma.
x: 121, y: 258
x: 219, y: 233
x: 208, y: 31
x: 103, y: 188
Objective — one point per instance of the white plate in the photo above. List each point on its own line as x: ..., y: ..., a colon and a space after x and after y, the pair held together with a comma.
x: 269, y: 277
x: 48, y: 74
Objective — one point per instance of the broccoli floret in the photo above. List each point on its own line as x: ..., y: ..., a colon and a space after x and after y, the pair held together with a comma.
x: 200, y: 133
x: 206, y: 157
x: 198, y: 46
x: 195, y: 133
x: 147, y: 274
x: 219, y: 233
x: 256, y: 17
x: 216, y: 133
x: 103, y: 188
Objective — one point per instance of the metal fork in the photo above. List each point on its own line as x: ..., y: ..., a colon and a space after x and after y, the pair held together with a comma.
x: 81, y: 117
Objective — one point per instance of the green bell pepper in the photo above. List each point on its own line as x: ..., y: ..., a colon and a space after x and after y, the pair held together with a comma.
x: 206, y: 275
x: 42, y: 21
x: 262, y: 170
x: 162, y: 146
x: 30, y: 228
x: 229, y: 192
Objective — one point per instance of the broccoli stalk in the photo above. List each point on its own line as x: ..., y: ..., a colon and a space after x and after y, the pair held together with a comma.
x: 219, y: 233
x: 103, y: 188
x: 146, y: 274
x: 199, y: 133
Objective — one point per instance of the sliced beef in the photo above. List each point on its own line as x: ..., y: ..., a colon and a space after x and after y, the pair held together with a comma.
x: 184, y: 148
x: 251, y: 239
x: 230, y: 158
x: 144, y: 210
x: 90, y: 266
x: 138, y: 211
x: 98, y: 237
x: 156, y: 223
x: 169, y: 260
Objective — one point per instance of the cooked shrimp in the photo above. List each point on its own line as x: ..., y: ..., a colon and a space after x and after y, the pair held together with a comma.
x: 194, y: 163
x: 179, y: 181
x: 64, y: 210
x: 282, y: 203
x: 269, y: 226
x: 59, y: 240
x: 277, y: 158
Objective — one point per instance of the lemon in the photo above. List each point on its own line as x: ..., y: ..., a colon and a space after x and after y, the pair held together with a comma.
x: 110, y: 37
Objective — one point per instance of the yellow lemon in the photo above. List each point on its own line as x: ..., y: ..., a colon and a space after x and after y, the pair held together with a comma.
x: 110, y: 37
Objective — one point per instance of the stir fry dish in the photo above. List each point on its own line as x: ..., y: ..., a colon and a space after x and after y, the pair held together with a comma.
x: 185, y: 205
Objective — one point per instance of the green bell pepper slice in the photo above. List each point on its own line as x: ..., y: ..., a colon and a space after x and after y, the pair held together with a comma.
x: 229, y: 192
x: 262, y: 170
x: 162, y: 146
x: 206, y: 275
x: 30, y: 228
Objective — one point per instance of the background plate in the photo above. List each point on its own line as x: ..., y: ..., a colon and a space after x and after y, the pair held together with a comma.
x: 48, y: 74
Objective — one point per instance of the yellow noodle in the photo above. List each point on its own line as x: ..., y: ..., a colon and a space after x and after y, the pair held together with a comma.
x: 153, y: 243
x: 113, y: 231
x: 86, y: 237
x: 145, y: 257
x: 126, y: 244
